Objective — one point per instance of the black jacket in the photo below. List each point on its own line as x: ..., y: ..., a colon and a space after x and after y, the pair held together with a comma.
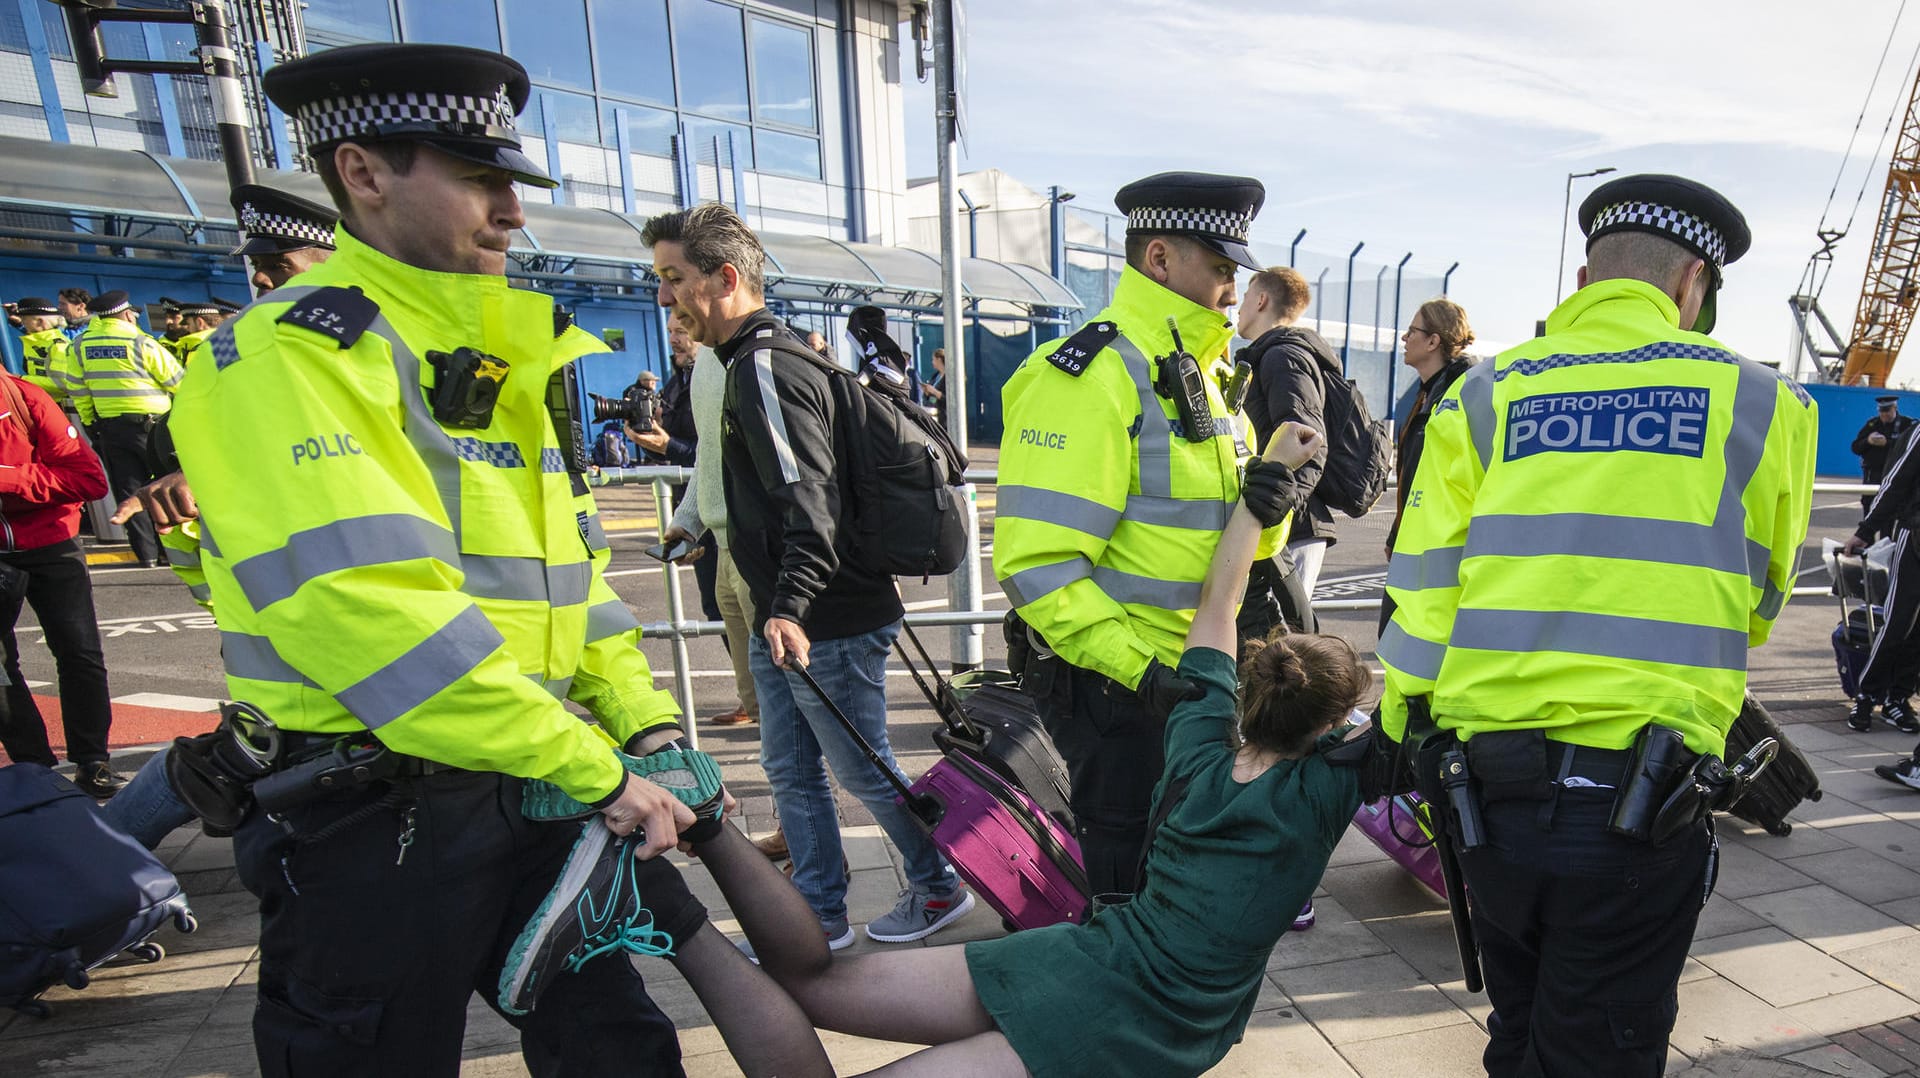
x: 1898, y: 503
x: 1873, y: 458
x: 785, y: 494
x: 1289, y: 369
x: 1413, y: 435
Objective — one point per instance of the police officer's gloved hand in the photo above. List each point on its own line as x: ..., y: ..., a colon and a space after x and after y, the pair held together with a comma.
x: 1160, y: 689
x: 1267, y: 488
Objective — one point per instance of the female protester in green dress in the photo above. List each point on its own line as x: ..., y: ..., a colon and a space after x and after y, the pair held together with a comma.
x: 1164, y: 985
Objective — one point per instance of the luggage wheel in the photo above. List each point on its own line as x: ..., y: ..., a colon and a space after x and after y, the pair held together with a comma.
x: 148, y: 951
x: 185, y: 921
x: 1780, y: 830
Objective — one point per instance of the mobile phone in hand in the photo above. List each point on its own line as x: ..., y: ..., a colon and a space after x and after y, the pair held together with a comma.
x: 663, y: 552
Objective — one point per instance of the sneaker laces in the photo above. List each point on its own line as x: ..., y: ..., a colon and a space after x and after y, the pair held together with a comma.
x: 630, y: 934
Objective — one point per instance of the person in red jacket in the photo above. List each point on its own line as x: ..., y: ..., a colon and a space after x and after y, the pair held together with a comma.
x: 46, y: 473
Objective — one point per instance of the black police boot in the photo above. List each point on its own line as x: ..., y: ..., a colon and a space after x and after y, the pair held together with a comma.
x: 1861, y: 717
x: 97, y: 780
x: 1900, y: 714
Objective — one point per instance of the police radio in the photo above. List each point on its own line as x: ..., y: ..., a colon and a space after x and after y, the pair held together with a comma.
x: 1182, y: 382
x: 569, y: 425
x: 1234, y: 392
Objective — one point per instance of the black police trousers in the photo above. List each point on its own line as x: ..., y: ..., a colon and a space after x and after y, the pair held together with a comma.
x: 1582, y: 936
x: 123, y: 443
x: 1115, y: 753
x: 1893, y: 665
x: 367, y: 967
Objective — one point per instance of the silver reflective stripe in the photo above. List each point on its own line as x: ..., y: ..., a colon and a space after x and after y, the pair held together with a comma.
x: 1437, y: 568
x: 1027, y: 585
x: 200, y: 592
x: 1210, y: 514
x: 596, y: 535
x: 116, y: 374
x: 435, y: 447
x: 153, y: 393
x: 1056, y: 507
x: 1771, y: 600
x: 424, y: 671
x: 1594, y: 535
x: 343, y: 544
x: 181, y: 559
x: 776, y: 419
x: 254, y: 658
x: 1146, y: 591
x: 207, y: 545
x: 557, y: 688
x: 1608, y: 635
x: 1476, y: 399
x: 531, y: 580
x: 1754, y: 398
x: 1409, y: 654
x: 611, y: 618
x: 1155, y: 452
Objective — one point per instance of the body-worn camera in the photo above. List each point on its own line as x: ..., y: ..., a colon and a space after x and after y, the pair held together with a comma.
x: 636, y: 406
x: 466, y: 387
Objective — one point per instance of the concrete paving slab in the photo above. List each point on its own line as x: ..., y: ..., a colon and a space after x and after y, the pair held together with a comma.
x: 137, y: 1047
x: 1722, y: 916
x: 180, y: 997
x: 1850, y: 1010
x: 1425, y: 940
x: 1336, y: 935
x: 1718, y: 1016
x: 229, y: 1062
x: 1777, y: 968
x: 1835, y: 1060
x: 1368, y: 998
x: 1280, y: 1042
x: 1834, y: 811
x: 1860, y: 875
x: 1827, y: 919
x: 1475, y: 1003
x: 1817, y: 738
x: 1895, y: 963
x: 1880, y: 1057
x: 1892, y: 839
x: 1806, y: 837
x: 1746, y: 871
x: 1862, y: 787
x: 1378, y: 889
x: 1355, y: 848
x: 1447, y: 1052
x: 1693, y: 969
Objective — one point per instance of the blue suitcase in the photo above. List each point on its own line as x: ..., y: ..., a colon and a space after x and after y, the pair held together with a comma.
x: 74, y: 892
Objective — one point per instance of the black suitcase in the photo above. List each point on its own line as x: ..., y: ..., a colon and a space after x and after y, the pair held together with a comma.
x: 986, y: 717
x: 1787, y: 782
x: 74, y: 892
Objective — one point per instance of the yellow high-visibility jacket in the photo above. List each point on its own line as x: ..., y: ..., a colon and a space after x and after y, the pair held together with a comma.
x: 1604, y: 520
x: 1107, y: 515
x: 45, y: 353
x: 116, y: 369
x: 370, y: 567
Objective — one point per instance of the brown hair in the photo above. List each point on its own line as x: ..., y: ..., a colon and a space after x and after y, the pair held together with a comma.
x: 713, y: 236
x: 1295, y: 688
x: 1448, y: 320
x: 1287, y: 286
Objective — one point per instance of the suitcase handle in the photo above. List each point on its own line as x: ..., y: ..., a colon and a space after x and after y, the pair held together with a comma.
x: 921, y: 807
x: 945, y: 704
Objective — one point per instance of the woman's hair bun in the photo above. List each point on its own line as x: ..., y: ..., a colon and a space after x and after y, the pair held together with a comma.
x: 1280, y: 665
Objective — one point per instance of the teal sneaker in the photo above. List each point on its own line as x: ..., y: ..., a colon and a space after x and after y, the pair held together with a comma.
x: 595, y: 908
x: 689, y: 774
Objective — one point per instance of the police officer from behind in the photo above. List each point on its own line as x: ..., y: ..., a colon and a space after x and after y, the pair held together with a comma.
x: 1606, y: 518
x: 42, y: 345
x: 285, y: 234
x: 122, y: 382
x: 1118, y: 469
x: 393, y: 552
x: 1875, y: 441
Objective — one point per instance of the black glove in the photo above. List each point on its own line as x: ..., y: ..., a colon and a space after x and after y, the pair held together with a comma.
x: 1160, y: 689
x: 1267, y: 488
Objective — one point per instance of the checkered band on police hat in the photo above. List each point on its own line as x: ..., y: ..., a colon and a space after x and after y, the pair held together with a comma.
x: 335, y: 119
x: 255, y: 221
x: 1221, y: 223
x: 1684, y: 226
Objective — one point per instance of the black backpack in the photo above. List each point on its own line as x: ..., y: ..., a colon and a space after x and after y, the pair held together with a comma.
x: 903, y: 471
x: 1359, y: 449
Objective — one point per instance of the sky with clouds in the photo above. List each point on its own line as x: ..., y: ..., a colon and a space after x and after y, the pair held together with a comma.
x: 1448, y: 130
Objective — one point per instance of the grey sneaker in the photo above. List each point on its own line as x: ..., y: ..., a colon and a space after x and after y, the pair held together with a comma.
x: 839, y: 938
x: 920, y: 914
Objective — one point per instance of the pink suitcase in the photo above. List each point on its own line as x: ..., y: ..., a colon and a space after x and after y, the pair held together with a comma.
x: 1398, y: 825
x: 1013, y: 853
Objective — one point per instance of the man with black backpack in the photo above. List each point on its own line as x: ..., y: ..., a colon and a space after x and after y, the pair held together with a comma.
x: 821, y: 600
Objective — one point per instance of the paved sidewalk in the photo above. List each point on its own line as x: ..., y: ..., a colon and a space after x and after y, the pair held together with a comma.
x: 1806, y: 960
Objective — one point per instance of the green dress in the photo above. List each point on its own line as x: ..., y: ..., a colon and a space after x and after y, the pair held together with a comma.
x: 1164, y: 985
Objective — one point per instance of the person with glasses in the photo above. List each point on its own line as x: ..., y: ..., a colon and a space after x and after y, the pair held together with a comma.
x: 1435, y: 345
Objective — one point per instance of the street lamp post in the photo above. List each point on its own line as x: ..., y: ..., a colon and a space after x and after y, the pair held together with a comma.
x: 1057, y: 200
x: 1295, y: 247
x: 1566, y: 212
x: 1393, y: 357
x: 1346, y: 333
x: 973, y: 221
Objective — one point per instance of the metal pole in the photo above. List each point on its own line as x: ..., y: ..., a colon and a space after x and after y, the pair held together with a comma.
x: 223, y: 86
x: 973, y: 224
x: 1447, y: 277
x: 677, y: 617
x: 1393, y: 357
x: 1057, y: 224
x: 1346, y: 331
x: 1319, y: 294
x: 1566, y: 212
x: 1378, y: 279
x: 963, y: 586
x: 1294, y: 248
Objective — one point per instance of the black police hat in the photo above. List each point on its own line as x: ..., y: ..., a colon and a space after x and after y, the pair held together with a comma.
x: 227, y: 307
x: 1689, y: 213
x: 169, y: 304
x: 1881, y: 401
x: 275, y: 221
x: 458, y: 100
x: 34, y: 305
x: 109, y: 303
x: 1216, y: 210
x: 198, y: 307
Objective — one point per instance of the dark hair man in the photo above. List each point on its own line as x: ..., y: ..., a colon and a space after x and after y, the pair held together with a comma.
x: 1119, y: 467
x: 73, y: 308
x: 1604, y: 520
x: 396, y: 550
x: 812, y: 606
x: 285, y: 234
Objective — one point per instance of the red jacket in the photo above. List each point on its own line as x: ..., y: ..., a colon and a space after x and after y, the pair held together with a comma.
x: 46, y: 470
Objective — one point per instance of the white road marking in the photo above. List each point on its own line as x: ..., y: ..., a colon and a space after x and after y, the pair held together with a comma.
x: 169, y: 701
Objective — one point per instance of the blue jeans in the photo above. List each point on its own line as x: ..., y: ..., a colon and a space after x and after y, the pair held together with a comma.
x: 800, y: 739
x: 147, y: 808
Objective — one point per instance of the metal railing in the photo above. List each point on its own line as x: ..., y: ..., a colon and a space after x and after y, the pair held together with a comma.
x: 677, y: 628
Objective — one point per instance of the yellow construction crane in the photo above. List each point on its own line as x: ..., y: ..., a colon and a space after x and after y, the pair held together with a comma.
x: 1890, y: 291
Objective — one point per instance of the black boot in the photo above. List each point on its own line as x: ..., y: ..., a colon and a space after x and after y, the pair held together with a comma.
x: 97, y: 780
x: 1861, y: 717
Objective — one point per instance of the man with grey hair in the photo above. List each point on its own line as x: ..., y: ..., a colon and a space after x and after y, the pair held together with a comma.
x: 813, y: 606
